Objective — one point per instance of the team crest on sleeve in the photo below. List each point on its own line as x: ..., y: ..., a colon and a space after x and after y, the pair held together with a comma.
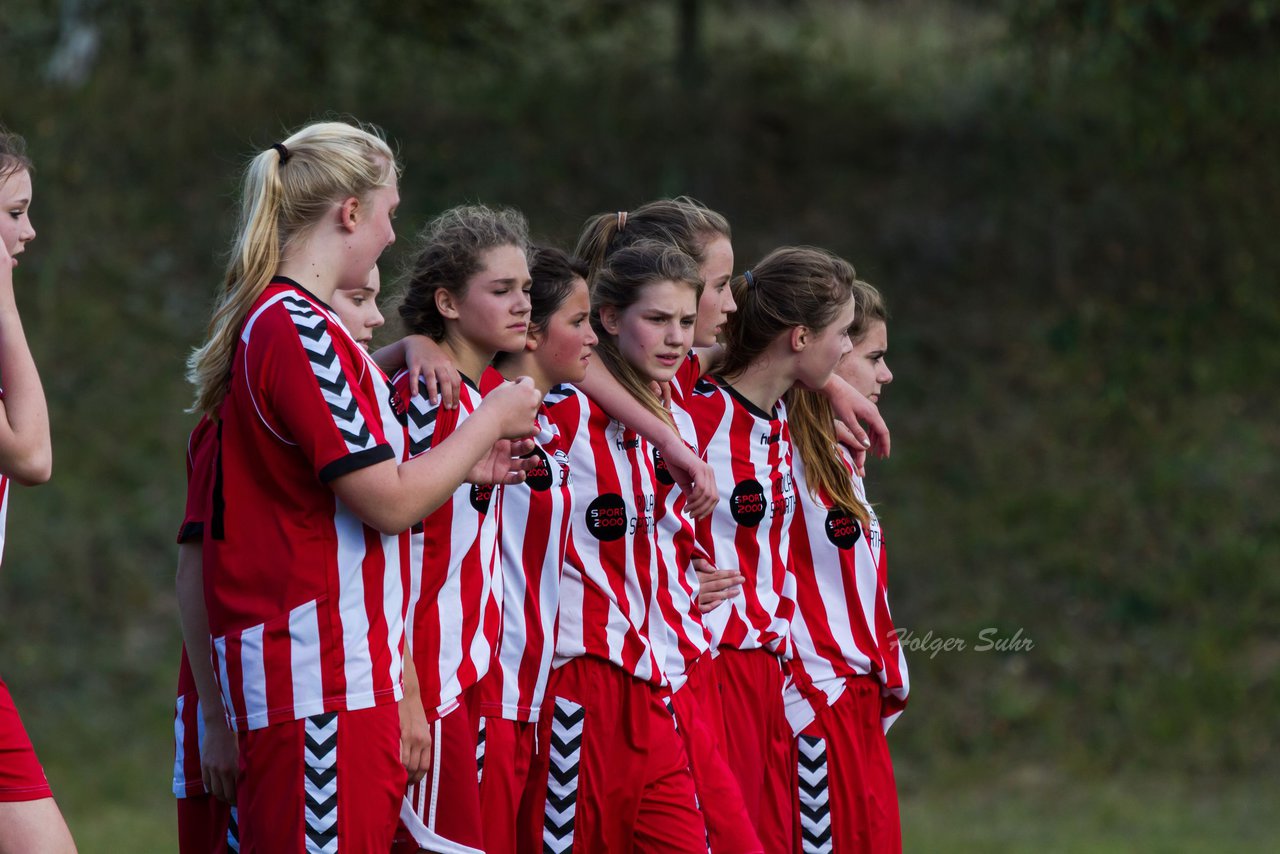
x: 842, y: 529
x: 313, y: 332
x: 747, y: 504
x: 563, y: 459
x: 607, y: 517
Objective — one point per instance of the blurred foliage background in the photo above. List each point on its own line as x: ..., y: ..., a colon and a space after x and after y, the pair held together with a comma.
x: 1070, y: 204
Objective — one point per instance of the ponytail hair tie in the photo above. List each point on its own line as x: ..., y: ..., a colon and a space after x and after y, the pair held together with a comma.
x: 751, y: 280
x: 622, y: 220
x: 283, y: 152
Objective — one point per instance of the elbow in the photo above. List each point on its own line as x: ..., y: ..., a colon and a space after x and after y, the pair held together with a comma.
x: 35, y: 468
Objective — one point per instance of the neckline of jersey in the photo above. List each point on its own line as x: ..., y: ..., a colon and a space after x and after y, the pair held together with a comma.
x: 747, y: 404
x: 285, y: 280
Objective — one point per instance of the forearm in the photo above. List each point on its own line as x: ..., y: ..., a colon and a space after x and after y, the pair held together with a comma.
x: 194, y: 617
x: 603, y: 388
x: 390, y: 358
x: 392, y: 498
x: 26, y: 450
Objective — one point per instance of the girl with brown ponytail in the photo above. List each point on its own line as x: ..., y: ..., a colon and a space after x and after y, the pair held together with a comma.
x: 791, y: 327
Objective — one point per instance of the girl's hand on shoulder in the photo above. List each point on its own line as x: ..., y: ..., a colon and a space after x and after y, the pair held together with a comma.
x: 845, y: 437
x: 694, y: 476
x: 427, y: 362
x: 854, y: 409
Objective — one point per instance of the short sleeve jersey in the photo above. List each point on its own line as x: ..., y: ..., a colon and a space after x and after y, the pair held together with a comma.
x: 455, y: 590
x: 188, y: 721
x: 750, y: 452
x: 842, y: 627
x: 306, y: 603
x: 612, y: 574
x: 534, y: 536
x: 687, y: 636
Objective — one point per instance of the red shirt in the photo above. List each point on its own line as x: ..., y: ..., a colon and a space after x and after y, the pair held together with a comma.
x: 842, y: 627
x: 306, y: 602
x: 456, y: 591
x: 750, y: 451
x: 534, y: 537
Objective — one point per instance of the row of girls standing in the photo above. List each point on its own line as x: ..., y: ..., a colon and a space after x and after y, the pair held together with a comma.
x: 586, y: 668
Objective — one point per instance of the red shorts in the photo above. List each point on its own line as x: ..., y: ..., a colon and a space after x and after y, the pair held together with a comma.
x: 21, y: 777
x: 846, y: 797
x: 332, y: 781
x: 759, y: 746
x: 442, y: 812
x: 614, y: 775
x: 506, y: 758
x: 207, y: 825
x: 697, y: 710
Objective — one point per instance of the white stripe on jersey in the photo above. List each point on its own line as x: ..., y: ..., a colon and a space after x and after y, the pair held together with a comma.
x: 304, y: 657
x: 254, y: 681
x: 358, y: 665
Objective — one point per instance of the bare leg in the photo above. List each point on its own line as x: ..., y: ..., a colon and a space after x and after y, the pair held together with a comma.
x: 33, y: 827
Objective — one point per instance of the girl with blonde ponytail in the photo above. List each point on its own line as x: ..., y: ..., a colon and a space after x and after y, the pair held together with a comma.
x: 308, y: 523
x: 849, y: 674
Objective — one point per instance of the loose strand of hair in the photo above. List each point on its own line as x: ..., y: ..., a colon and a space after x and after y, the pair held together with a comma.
x: 811, y: 422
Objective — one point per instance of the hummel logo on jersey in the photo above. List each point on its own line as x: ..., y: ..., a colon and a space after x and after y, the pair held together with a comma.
x: 770, y: 439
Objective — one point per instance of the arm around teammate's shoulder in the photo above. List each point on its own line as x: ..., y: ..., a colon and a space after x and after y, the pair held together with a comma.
x: 392, y: 498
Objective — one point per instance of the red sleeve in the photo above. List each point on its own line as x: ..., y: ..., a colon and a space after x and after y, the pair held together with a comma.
x: 687, y: 376
x: 306, y: 386
x: 202, y: 454
x: 706, y: 408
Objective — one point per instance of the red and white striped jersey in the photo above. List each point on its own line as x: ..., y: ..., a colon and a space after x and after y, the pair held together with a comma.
x: 609, y: 591
x: 306, y: 602
x: 455, y: 590
x: 686, y: 378
x: 750, y: 452
x: 687, y: 637
x: 188, y: 722
x: 842, y: 626
x: 534, y: 535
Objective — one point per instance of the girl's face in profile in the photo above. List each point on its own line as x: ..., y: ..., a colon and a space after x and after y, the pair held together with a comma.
x: 864, y: 367
x: 15, y: 203
x: 357, y: 308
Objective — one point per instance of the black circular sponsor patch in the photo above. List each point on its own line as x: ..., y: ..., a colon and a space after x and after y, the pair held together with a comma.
x: 661, y: 470
x: 481, y: 495
x: 842, y: 529
x: 747, y: 503
x: 607, y: 517
x: 539, y: 477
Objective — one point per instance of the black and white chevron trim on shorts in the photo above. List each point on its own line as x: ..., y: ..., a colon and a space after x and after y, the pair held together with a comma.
x: 480, y: 749
x: 320, y: 769
x: 233, y: 832
x: 815, y: 796
x: 313, y: 332
x: 562, y: 778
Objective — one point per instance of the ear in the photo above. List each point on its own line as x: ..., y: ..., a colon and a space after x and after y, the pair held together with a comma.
x: 534, y: 339
x: 446, y: 304
x: 348, y: 212
x: 799, y: 338
x: 609, y: 318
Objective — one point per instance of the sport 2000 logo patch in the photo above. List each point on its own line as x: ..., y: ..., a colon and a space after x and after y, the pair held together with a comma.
x: 747, y: 503
x: 607, y: 517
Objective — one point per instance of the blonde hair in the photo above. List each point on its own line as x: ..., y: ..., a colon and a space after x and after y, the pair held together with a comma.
x: 619, y: 284
x: 287, y: 189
